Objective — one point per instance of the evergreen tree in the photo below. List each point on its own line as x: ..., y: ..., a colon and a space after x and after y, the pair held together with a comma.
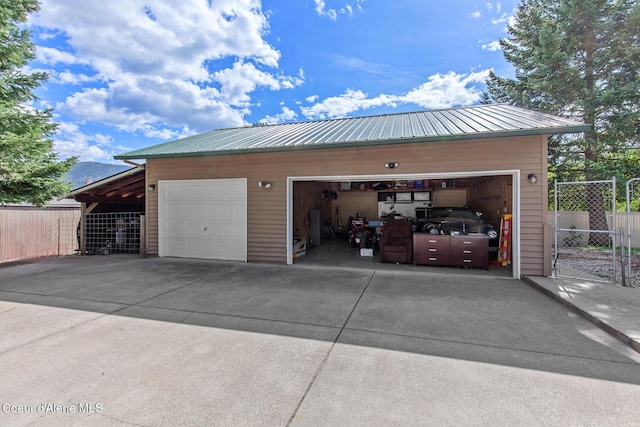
x: 578, y: 59
x: 29, y: 169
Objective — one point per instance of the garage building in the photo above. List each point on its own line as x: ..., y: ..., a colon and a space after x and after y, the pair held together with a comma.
x: 246, y: 193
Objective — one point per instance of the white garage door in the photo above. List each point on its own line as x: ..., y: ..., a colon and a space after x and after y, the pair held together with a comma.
x: 204, y: 218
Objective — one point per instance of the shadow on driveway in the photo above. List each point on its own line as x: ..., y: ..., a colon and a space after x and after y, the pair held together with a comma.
x: 492, y: 320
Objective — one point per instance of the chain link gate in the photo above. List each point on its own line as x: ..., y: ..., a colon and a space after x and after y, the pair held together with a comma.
x: 585, y: 231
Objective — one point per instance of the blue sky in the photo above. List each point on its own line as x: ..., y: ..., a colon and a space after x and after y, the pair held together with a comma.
x: 126, y: 74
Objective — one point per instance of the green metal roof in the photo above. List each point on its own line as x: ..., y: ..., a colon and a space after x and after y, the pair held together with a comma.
x: 480, y: 121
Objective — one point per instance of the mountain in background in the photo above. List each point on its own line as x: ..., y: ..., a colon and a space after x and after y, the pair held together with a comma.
x: 82, y: 172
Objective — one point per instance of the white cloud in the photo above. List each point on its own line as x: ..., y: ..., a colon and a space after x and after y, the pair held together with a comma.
x: 348, y: 102
x: 146, y: 67
x: 447, y: 90
x: 68, y: 77
x: 492, y: 47
x: 287, y: 115
x: 332, y: 13
x: 439, y: 91
x: 289, y: 82
x: 501, y: 19
x: 153, y: 104
x: 70, y: 141
x: 312, y: 98
x: 52, y: 56
x: 240, y: 80
x: 495, y: 11
x: 320, y: 10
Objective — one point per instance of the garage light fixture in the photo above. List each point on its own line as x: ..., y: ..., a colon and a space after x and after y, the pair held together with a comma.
x: 151, y: 187
x: 532, y: 178
x: 391, y: 165
x: 263, y: 184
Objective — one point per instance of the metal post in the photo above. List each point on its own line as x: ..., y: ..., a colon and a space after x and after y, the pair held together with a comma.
x: 555, y: 228
x: 624, y: 281
x: 629, y: 252
x: 613, y: 224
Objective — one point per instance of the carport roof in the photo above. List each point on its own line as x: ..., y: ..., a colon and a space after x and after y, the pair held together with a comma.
x: 480, y: 121
x: 125, y: 187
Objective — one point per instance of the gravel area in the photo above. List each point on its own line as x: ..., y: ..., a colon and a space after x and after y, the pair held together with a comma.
x: 596, y: 264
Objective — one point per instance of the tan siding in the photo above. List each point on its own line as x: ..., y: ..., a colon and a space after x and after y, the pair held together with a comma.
x: 267, y: 212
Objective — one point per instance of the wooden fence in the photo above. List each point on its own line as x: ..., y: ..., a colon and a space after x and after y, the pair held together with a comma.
x: 28, y: 232
x: 580, y: 221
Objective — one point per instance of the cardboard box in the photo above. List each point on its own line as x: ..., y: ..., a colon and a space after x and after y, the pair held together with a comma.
x: 366, y: 251
x: 299, y: 247
x: 299, y: 244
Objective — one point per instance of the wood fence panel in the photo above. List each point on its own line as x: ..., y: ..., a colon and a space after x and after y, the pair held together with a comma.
x: 27, y: 232
x: 580, y: 221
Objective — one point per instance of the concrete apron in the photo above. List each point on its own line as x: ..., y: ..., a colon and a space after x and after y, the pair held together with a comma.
x: 104, y: 340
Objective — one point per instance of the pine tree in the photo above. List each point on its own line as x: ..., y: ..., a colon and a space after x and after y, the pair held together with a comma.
x: 578, y: 59
x: 29, y: 168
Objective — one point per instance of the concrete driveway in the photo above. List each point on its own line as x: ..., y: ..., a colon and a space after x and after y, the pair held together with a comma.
x: 121, y: 340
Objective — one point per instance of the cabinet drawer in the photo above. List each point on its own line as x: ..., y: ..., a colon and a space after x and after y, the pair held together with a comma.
x: 431, y: 258
x: 476, y: 260
x: 430, y: 249
x: 436, y: 244
x: 466, y: 243
x: 469, y: 251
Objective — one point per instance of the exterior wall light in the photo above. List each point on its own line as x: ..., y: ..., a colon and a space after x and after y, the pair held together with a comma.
x: 532, y: 178
x: 151, y: 187
x: 391, y: 165
x: 263, y: 184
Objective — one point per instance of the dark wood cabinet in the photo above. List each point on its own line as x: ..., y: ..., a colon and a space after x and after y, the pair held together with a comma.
x: 430, y: 249
x: 458, y: 251
x: 469, y: 251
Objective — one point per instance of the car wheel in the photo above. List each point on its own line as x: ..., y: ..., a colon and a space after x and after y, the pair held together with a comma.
x: 431, y: 229
x: 492, y: 233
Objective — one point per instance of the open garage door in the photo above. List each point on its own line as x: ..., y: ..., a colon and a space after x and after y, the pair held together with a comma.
x: 203, y: 219
x: 494, y: 193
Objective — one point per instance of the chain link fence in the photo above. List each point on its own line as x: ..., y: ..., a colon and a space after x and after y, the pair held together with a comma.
x: 585, y: 231
x: 27, y: 232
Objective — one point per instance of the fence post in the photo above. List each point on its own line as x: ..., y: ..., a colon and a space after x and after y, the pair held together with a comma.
x: 623, y: 273
x: 555, y: 228
x: 143, y: 235
x: 633, y: 280
x: 59, y: 235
